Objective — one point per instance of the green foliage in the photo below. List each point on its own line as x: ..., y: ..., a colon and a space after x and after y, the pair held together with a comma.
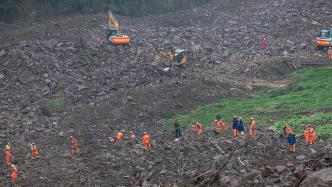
x: 325, y: 131
x: 57, y: 105
x: 309, y: 93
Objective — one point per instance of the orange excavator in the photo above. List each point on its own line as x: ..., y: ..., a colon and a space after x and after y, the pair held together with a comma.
x: 113, y: 32
x: 324, y: 39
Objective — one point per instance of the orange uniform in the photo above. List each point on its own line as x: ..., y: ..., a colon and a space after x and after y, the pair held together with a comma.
x: 312, y: 136
x: 146, y: 141
x: 218, y: 125
x: 329, y: 53
x: 8, y: 154
x: 74, y: 144
x: 252, y: 129
x: 199, y: 128
x: 13, y: 176
x: 34, y: 151
x: 288, y: 130
x: 119, y: 136
x: 306, y: 135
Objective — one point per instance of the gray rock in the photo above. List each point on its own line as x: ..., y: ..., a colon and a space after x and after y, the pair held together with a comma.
x: 321, y: 178
x: 280, y: 168
x: 301, y: 157
x: 2, y: 76
x: 2, y: 52
x: 313, y: 151
x: 61, y: 133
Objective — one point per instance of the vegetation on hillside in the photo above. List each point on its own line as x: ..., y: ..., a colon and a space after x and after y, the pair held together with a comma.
x: 307, y: 100
x: 11, y: 9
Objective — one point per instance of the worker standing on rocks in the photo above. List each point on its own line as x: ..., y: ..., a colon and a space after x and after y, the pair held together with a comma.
x: 252, y: 128
x: 74, y: 144
x: 218, y: 126
x: 291, y: 139
x: 177, y: 129
x: 240, y: 128
x: 132, y: 135
x: 34, y: 151
x: 235, y: 125
x: 312, y: 136
x: 119, y: 136
x: 264, y: 43
x: 199, y: 128
x: 146, y: 141
x: 306, y: 134
x: 13, y: 176
x: 8, y: 154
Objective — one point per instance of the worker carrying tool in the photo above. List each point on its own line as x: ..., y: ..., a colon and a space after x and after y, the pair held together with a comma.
x: 177, y: 129
x: 235, y: 125
x: 74, y: 144
x: 119, y: 136
x: 199, y: 128
x: 240, y: 128
x: 8, y: 154
x: 252, y: 127
x: 306, y: 133
x: 312, y: 136
x: 132, y: 135
x: 146, y: 141
x: 34, y: 151
x: 13, y: 176
x: 287, y: 130
x: 291, y: 139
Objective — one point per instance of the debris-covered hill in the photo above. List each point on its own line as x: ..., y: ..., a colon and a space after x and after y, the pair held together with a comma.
x: 56, y: 82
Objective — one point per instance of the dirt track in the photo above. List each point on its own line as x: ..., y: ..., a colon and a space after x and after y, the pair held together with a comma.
x: 111, y: 88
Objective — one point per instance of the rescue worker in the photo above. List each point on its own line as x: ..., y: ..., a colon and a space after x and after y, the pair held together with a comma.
x: 146, y: 141
x: 264, y: 43
x: 132, y: 135
x: 329, y: 53
x: 218, y: 125
x: 13, y: 176
x: 8, y: 154
x: 34, y: 151
x: 199, y: 128
x: 287, y: 130
x: 235, y: 125
x: 111, y: 139
x: 119, y: 136
x: 312, y: 136
x: 240, y: 128
x: 306, y: 134
x: 252, y: 129
x: 177, y: 129
x: 291, y: 139
x: 74, y: 144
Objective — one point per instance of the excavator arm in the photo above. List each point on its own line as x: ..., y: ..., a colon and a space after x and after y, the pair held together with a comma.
x: 112, y: 21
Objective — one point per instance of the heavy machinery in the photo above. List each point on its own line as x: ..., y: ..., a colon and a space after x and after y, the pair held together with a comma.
x: 174, y: 56
x: 113, y: 32
x: 324, y: 39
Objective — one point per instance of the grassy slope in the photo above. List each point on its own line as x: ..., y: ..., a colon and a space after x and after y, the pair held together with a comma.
x: 308, y: 99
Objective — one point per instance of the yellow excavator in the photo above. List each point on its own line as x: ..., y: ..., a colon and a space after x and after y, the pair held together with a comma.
x: 113, y: 32
x: 174, y: 56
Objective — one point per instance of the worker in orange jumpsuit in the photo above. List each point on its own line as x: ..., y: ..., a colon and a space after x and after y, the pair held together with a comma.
x: 13, y: 176
x: 306, y: 134
x: 132, y: 135
x: 199, y: 128
x: 252, y: 129
x: 329, y: 53
x: 264, y: 43
x: 291, y: 139
x: 119, y: 136
x: 146, y: 141
x: 218, y: 125
x: 34, y: 151
x: 8, y: 154
x: 74, y: 144
x: 312, y: 136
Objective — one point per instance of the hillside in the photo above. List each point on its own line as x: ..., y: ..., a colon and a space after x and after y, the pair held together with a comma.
x: 57, y: 81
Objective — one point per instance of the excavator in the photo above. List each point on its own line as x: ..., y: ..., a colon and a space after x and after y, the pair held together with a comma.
x: 113, y: 32
x: 324, y: 39
x: 175, y: 56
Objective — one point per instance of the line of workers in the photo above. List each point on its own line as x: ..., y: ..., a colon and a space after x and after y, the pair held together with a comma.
x: 238, y: 130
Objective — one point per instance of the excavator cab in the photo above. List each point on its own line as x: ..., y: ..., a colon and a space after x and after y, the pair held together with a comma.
x: 113, y: 32
x: 180, y: 56
x: 324, y: 39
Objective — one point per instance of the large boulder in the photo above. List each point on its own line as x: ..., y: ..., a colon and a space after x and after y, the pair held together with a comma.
x: 321, y: 178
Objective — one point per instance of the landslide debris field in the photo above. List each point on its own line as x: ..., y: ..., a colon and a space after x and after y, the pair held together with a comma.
x: 56, y: 82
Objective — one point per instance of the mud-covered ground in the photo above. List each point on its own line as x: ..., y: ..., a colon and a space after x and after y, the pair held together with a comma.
x: 109, y: 88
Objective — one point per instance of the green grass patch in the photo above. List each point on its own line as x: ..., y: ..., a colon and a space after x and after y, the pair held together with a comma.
x: 57, y: 105
x: 308, y: 99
